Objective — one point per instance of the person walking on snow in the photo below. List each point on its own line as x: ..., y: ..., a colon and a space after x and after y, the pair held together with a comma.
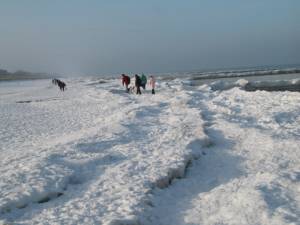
x: 144, y: 81
x: 125, y: 81
x: 152, y: 84
x: 138, y: 83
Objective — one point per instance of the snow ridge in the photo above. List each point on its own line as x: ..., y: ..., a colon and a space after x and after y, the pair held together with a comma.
x: 202, y: 173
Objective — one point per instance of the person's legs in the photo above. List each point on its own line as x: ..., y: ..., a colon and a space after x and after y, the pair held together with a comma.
x: 138, y: 90
x: 153, y: 91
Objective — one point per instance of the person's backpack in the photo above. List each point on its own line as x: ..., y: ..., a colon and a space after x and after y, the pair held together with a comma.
x: 144, y: 79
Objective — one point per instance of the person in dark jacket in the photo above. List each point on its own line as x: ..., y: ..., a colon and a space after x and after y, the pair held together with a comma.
x: 138, y: 83
x: 125, y: 81
x: 61, y: 85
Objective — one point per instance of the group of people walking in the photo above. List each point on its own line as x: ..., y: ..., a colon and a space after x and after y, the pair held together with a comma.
x: 140, y: 81
x: 62, y: 85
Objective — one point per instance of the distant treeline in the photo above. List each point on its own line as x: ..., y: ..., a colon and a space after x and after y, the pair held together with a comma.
x: 21, y: 75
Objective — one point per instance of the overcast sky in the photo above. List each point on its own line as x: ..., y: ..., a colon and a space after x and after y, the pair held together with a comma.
x: 100, y: 37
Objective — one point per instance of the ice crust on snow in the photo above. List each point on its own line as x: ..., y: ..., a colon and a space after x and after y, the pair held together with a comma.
x: 96, y: 155
x: 250, y: 174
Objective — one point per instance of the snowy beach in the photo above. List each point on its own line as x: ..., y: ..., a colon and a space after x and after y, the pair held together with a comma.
x: 209, y: 154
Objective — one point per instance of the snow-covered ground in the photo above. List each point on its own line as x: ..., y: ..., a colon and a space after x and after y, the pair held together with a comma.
x: 187, y: 155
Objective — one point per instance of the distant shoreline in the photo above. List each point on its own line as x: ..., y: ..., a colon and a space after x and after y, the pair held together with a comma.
x: 11, y: 78
x: 23, y: 75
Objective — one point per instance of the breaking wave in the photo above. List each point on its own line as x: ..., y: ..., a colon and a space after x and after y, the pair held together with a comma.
x: 242, y: 73
x: 277, y: 85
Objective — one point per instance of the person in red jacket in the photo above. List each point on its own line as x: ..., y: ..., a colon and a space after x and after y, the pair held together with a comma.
x: 125, y: 81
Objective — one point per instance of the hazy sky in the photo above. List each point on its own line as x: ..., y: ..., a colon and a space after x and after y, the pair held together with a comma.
x: 100, y: 37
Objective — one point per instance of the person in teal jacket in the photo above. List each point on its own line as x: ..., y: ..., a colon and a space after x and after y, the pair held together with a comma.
x: 144, y: 81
